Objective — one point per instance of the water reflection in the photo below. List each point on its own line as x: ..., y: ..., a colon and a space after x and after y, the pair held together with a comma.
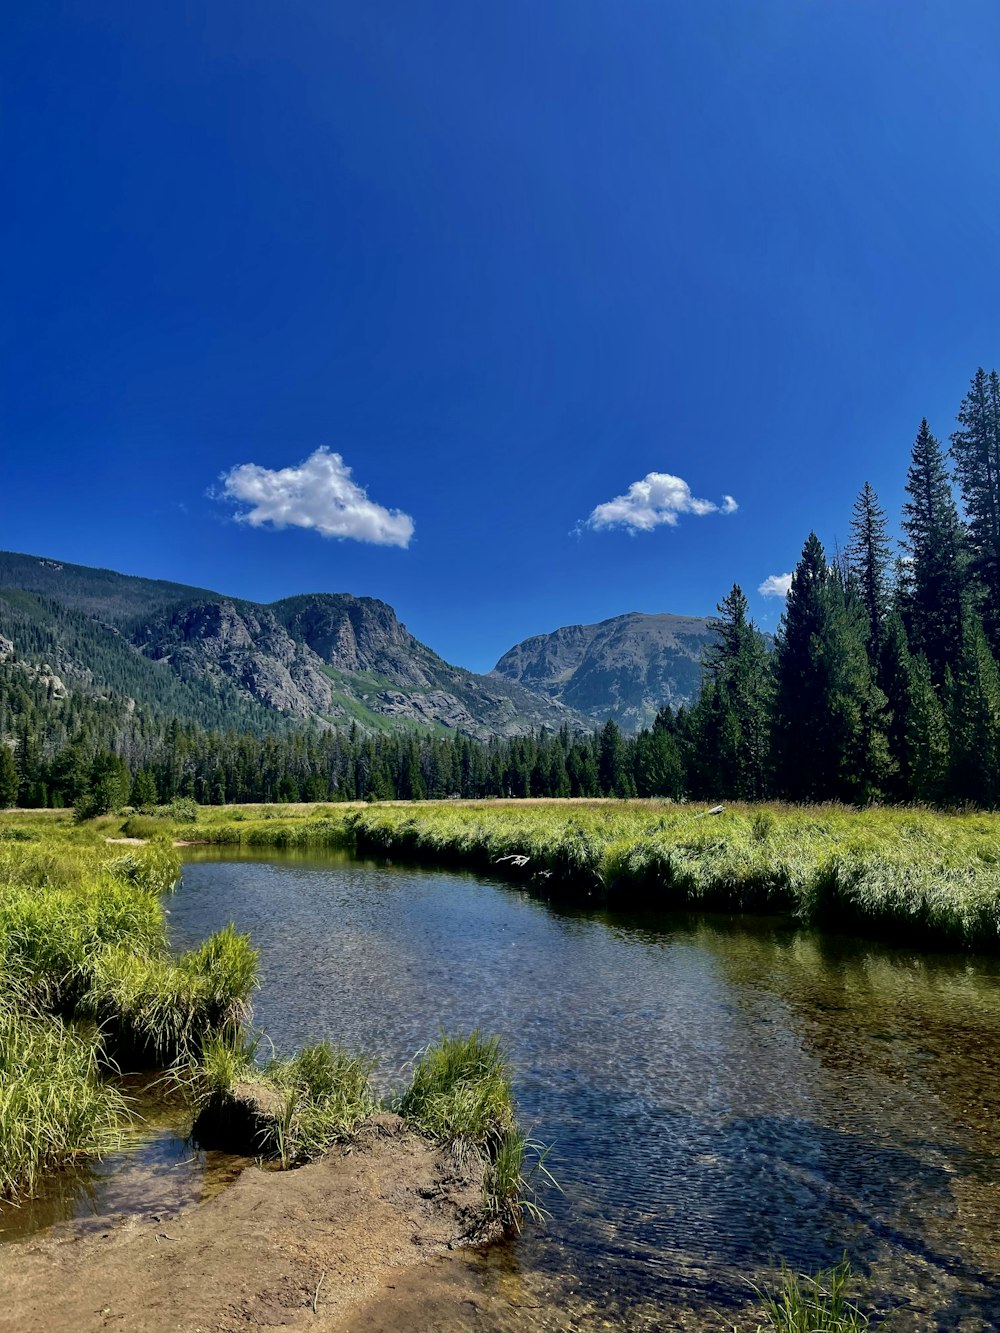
x: 157, y: 1171
x: 721, y: 1095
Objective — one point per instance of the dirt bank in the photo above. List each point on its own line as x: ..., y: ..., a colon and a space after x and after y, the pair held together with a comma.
x: 296, y: 1250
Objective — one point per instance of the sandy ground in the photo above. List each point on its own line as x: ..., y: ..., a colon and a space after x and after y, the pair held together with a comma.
x: 323, y: 1248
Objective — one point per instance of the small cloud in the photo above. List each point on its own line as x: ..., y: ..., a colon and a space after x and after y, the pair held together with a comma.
x: 776, y: 585
x: 318, y: 493
x: 659, y: 498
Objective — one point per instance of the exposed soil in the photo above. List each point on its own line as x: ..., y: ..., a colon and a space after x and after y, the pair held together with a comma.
x: 305, y: 1249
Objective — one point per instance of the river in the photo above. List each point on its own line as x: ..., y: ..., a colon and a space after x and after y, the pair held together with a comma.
x: 720, y: 1094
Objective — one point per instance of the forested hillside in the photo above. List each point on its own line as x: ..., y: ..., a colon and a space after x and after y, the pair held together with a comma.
x: 329, y: 658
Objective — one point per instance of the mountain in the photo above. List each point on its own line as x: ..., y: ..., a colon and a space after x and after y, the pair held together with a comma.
x: 223, y: 661
x: 626, y: 668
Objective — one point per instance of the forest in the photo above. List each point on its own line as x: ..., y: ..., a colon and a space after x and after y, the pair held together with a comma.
x: 882, y: 686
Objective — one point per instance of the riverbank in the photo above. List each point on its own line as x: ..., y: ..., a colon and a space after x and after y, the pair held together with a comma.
x: 301, y: 1249
x: 916, y: 874
x: 90, y: 991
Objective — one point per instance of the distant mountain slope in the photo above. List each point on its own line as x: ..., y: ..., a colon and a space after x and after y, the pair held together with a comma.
x: 102, y: 594
x: 329, y: 657
x: 626, y: 668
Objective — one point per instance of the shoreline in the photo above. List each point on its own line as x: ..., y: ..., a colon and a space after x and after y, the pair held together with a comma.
x: 306, y: 1248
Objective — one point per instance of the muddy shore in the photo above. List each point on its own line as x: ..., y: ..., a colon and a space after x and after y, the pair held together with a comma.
x: 321, y: 1248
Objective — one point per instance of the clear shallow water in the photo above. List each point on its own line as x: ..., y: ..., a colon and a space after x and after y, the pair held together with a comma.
x: 720, y: 1095
x: 157, y: 1172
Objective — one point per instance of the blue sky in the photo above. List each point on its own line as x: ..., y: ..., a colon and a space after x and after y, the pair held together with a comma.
x: 452, y: 278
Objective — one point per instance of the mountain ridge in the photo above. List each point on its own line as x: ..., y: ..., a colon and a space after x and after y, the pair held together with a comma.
x: 331, y: 658
x: 625, y: 668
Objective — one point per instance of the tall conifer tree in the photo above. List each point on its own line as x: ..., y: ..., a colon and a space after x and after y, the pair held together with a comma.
x: 731, y: 718
x: 974, y: 721
x: 975, y: 447
x: 931, y: 598
x: 868, y: 558
x: 829, y: 716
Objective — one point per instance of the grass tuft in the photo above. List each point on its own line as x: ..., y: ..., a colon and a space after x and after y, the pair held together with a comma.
x: 801, y: 1303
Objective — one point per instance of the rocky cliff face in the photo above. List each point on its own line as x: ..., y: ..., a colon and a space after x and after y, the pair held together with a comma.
x: 340, y: 659
x: 245, y: 646
x: 626, y: 668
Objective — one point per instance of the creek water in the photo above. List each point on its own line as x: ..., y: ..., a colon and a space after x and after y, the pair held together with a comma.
x: 720, y: 1095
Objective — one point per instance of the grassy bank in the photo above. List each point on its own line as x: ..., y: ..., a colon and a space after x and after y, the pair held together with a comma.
x: 907, y: 873
x: 87, y: 983
x: 294, y: 1110
x: 88, y: 987
x: 916, y: 873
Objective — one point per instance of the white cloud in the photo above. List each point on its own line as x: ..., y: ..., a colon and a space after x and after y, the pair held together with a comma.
x: 659, y: 498
x: 320, y: 494
x: 776, y: 585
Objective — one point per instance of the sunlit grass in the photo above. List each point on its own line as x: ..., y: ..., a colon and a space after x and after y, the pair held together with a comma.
x: 54, y: 1105
x: 817, y: 1303
x: 85, y: 976
x: 290, y: 1110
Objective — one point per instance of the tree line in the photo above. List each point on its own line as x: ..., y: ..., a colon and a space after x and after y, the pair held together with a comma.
x: 883, y: 685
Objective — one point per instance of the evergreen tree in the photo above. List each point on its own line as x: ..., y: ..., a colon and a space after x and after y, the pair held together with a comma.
x: 657, y: 763
x: 829, y: 716
x: 612, y: 774
x: 143, y: 789
x: 974, y: 721
x: 8, y: 778
x: 797, y: 696
x: 868, y: 559
x: 931, y: 587
x: 928, y: 745
x: 975, y: 447
x: 896, y: 674
x: 733, y: 725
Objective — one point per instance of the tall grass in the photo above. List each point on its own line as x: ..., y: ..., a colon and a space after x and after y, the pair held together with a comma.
x: 461, y: 1094
x: 924, y: 874
x: 289, y: 1110
x: 83, y: 937
x: 820, y: 1303
x: 927, y: 875
x: 54, y: 1106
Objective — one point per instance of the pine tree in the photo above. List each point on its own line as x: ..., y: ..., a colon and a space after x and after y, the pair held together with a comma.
x: 143, y: 789
x: 974, y: 721
x: 975, y: 447
x: 868, y: 558
x: 830, y: 718
x: 795, y: 705
x: 932, y: 584
x: 730, y: 720
x: 612, y: 775
x: 8, y: 778
x: 928, y: 745
x: 896, y: 676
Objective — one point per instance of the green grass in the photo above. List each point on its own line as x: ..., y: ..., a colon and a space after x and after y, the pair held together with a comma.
x: 820, y: 1303
x: 86, y: 979
x: 917, y: 873
x: 461, y: 1094
x: 460, y: 1091
x: 54, y: 1105
x: 290, y: 1111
